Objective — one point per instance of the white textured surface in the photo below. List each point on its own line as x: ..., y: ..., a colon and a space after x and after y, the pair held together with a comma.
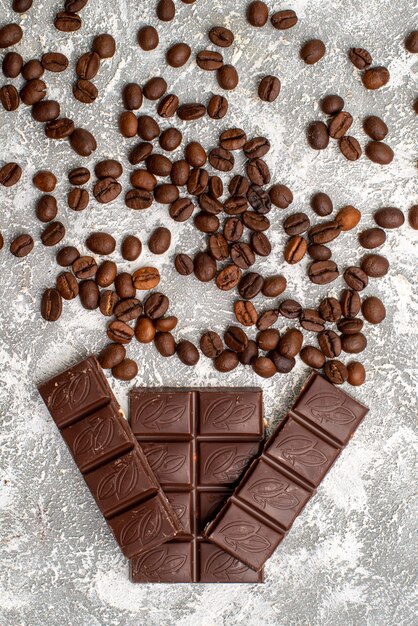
x: 349, y: 559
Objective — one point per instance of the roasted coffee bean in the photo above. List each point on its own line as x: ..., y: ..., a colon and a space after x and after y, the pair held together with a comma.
x: 180, y: 172
x: 220, y: 36
x: 167, y: 107
x: 411, y: 42
x: 195, y: 154
x: 206, y: 223
x: 148, y: 38
x: 269, y: 88
x: 232, y: 139
x: 348, y: 217
x: 12, y: 64
x: 140, y: 153
x: 321, y: 203
x: 166, y: 193
x: 245, y: 313
x: 235, y: 205
x: 257, y: 13
x: 282, y: 363
x: 101, y: 243
x: 183, y: 264
x: 60, y: 128
x: 144, y: 330
x: 282, y: 20
x: 242, y: 255
x: 318, y: 252
x: 256, y: 148
x: 389, y: 217
x: 191, y: 111
x: 233, y: 230
x: 9, y: 97
x: 166, y: 324
x: 109, y: 168
x: 170, y: 139
x: 264, y: 366
x: 238, y: 185
x: 250, y: 285
x: 218, y: 247
x: 88, y: 65
x: 332, y: 104
x: 124, y: 285
x: 187, y: 352
x: 22, y: 245
x: 290, y: 309
x: 350, y: 302
x: 290, y: 343
x: 350, y: 148
x: 131, y: 248
x: 356, y: 278
x: 312, y: 357
x: 84, y: 267
x: 89, y: 294
x: 181, y: 209
x: 217, y: 107
x: 311, y: 320
x: 255, y: 221
x: 104, y: 45
x: 10, y: 35
x: 330, y: 310
x: 67, y: 21
x: 44, y: 180
x: 209, y: 60
x: 317, y: 135
x: 372, y: 238
x: 360, y: 57
x: 204, y: 267
x: 375, y: 265
x: 312, y: 51
x: 325, y: 232
x: 228, y: 277
x: 106, y: 190
x: 119, y: 332
x: 356, y: 373
x: 82, y: 141
x: 178, y: 54
x: 329, y: 343
x: 379, y: 152
x: 10, y: 174
x: 322, y: 272
x: 106, y: 273
x: 111, y: 355
x: 375, y: 128
x: 53, y: 234
x: 165, y: 343
x: 221, y: 159
x: 132, y: 96
x: 128, y: 125
x: 67, y: 255
x: 273, y: 286
x: 155, y: 88
x: 198, y: 181
x: 159, y: 165
x: 235, y: 339
x: 336, y: 372
x: 45, y: 110
x: 353, y: 344
x: 260, y: 244
x: 51, y: 305
x: 350, y: 326
x: 78, y: 199
x: 281, y: 196
x: 126, y: 370
x: 33, y: 91
x: 258, y: 172
x: 211, y: 344
x: 413, y: 217
x: 108, y: 301
x: 296, y: 224
x: 259, y: 199
x: 267, y: 318
x: 54, y: 61
x: 142, y: 179
x: 166, y: 10
x: 46, y: 208
x: 156, y: 305
x: 215, y: 187
x: 138, y: 199
x: 227, y: 77
x: 268, y: 339
x: 295, y: 249
x: 209, y: 204
x: 340, y: 124
x: 32, y: 69
x: 226, y: 361
x: 375, y: 77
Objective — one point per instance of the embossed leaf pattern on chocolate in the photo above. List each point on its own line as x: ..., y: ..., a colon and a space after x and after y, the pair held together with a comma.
x: 159, y: 412
x: 179, y: 509
x: 163, y: 462
x: 119, y: 482
x: 228, y: 411
x: 245, y: 536
x: 301, y: 450
x: 96, y: 436
x: 159, y: 563
x: 225, y: 464
x: 143, y: 530
x: 272, y: 492
x: 329, y: 407
x: 223, y: 567
x: 72, y: 392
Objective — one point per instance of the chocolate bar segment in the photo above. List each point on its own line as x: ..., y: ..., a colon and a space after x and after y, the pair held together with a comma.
x: 277, y: 486
x: 107, y: 454
x: 198, y: 442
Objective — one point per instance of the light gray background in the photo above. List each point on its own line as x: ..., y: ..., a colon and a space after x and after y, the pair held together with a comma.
x: 349, y: 559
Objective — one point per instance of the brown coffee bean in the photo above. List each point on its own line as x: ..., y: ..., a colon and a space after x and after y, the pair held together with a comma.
x: 372, y: 238
x: 144, y: 330
x: 312, y: 51
x: 232, y: 139
x: 233, y: 230
x: 148, y: 38
x: 235, y: 205
x: 60, y: 128
x: 165, y: 344
x: 84, y: 267
x: 348, y: 217
x: 187, y: 352
x: 227, y: 76
x: 411, y: 42
x: 242, y: 255
x: 111, y: 355
x: 353, y: 344
x: 54, y: 61
x: 170, y: 139
x: 350, y: 302
x: 138, y: 199
x: 256, y: 222
x: 128, y: 124
x: 250, y: 285
x: 191, y: 111
x: 101, y: 243
x: 336, y: 372
x: 221, y: 159
x: 389, y: 217
x: 146, y: 278
x: 350, y: 326
x: 375, y: 265
x: 260, y: 244
x: 290, y: 309
x: 281, y: 196
x: 296, y: 224
x: 155, y: 88
x: 156, y: 305
x: 51, y: 305
x: 258, y: 172
x: 245, y: 313
x: 10, y: 174
x: 46, y: 208
x: 106, y: 273
x: 209, y: 204
x: 211, y: 344
x: 67, y: 255
x: 12, y: 64
x: 33, y: 91
x: 264, y: 366
x: 178, y: 54
x: 82, y: 142
x: 318, y: 252
x: 204, y: 267
x: 350, y: 148
x: 356, y: 373
x: 131, y: 248
x: 140, y: 153
x: 32, y: 69
x: 332, y: 104
x: 330, y: 343
x: 330, y: 309
x: 375, y: 128
x: 215, y: 187
x: 104, y: 45
x: 45, y: 110
x: 273, y: 286
x: 312, y: 357
x: 311, y: 320
x: 290, y: 343
x: 356, y: 278
x: 256, y: 148
x: 10, y: 35
x: 206, y: 223
x: 269, y: 88
x: 268, y: 339
x: 44, y: 180
x: 166, y: 10
x: 9, y: 97
x: 53, y: 233
x: 119, y: 332
x: 109, y: 168
x: 235, y: 339
x: 125, y: 370
x: 124, y: 285
x: 226, y: 361
x: 159, y: 165
x: 88, y: 65
x: 257, y: 13
x: 322, y: 272
x: 78, y: 199
x: 166, y: 193
x: 295, y: 250
x: 283, y: 364
x: 228, y: 277
x: 67, y: 286
x: 317, y: 135
x: 67, y: 21
x: 413, y: 217
x: 166, y: 324
x: 321, y: 203
x: 340, y: 124
x: 89, y: 294
x: 220, y: 36
x: 282, y: 20
x: 375, y: 77
x: 108, y: 301
x: 167, y: 107
x: 142, y: 179
x: 267, y: 318
x: 181, y: 209
x: 325, y: 232
x: 259, y: 199
x: 360, y: 57
x: 22, y: 246
x: 218, y: 247
x: 238, y: 185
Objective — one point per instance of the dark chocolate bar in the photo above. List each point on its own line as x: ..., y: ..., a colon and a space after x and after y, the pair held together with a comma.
x: 114, y: 467
x: 279, y: 483
x: 198, y: 443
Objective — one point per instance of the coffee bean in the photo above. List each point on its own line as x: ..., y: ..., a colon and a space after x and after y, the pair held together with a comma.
x: 389, y: 217
x: 187, y: 352
x: 111, y: 355
x: 356, y: 373
x: 311, y: 320
x: 67, y: 255
x: 312, y: 357
x: 267, y: 318
x: 228, y: 277
x: 413, y: 217
x: 148, y: 38
x: 106, y: 190
x: 350, y: 302
x: 336, y: 372
x: 332, y: 104
x: 290, y: 309
x: 312, y: 51
x: 138, y: 199
x: 238, y: 185
x: 88, y: 65
x: 353, y: 344
x: 226, y: 361
x: 180, y: 172
x: 250, y: 285
x: 142, y: 179
x: 218, y: 247
x: 146, y: 278
x: 242, y: 255
x: 350, y: 326
x: 209, y: 60
x: 45, y: 110
x: 145, y: 330
x: 321, y: 203
x: 264, y: 366
x: 104, y: 45
x: 257, y: 13
x: 170, y: 139
x: 322, y: 272
x: 258, y: 199
x: 124, y: 285
x: 32, y: 69
x: 340, y: 124
x: 51, y: 305
x: 206, y: 223
x: 78, y: 199
x: 156, y: 305
x: 245, y: 313
x: 348, y: 217
x: 119, y: 332
x: 33, y: 91
x: 318, y: 252
x: 260, y: 244
x: 295, y: 250
x: 60, y: 128
x: 256, y: 222
x: 54, y: 61
x: 53, y: 234
x: 108, y: 301
x: 317, y: 135
x: 166, y: 10
x: 356, y: 278
x: 360, y: 57
x: 375, y: 77
x: 258, y: 172
x: 101, y: 243
x: 109, y: 168
x: 178, y: 54
x: 411, y: 42
x: 44, y: 180
x: 281, y: 196
x: 128, y: 125
x: 10, y: 35
x: 154, y: 89
x: 167, y: 107
x: 268, y: 339
x: 211, y: 344
x: 372, y: 238
x: 269, y: 88
x: 9, y: 97
x: 204, y: 267
x: 325, y: 232
x: 46, y: 208
x: 89, y: 294
x: 227, y: 76
x: 232, y: 139
x: 290, y: 343
x: 350, y: 148
x: 273, y: 286
x: 84, y: 267
x: 166, y: 324
x: 140, y: 153
x: 215, y: 187
x: 126, y: 370
x: 220, y: 36
x: 233, y: 230
x: 67, y: 21
x: 375, y: 265
x: 183, y: 264
x: 330, y: 309
x: 166, y: 193
x: 217, y: 107
x: 236, y: 205
x: 10, y: 174
x: 12, y: 64
x: 181, y: 209
x: 106, y: 273
x: 256, y: 148
x: 191, y: 111
x: 296, y: 224
x: 159, y: 165
x: 132, y: 96
x: 165, y: 343
x: 195, y: 154
x: 209, y: 204
x: 283, y: 364
x: 131, y: 248
x: 22, y: 245
x: 235, y: 339
x: 221, y: 159
x: 329, y: 343
x: 198, y: 181
x: 282, y: 20
x: 375, y: 128
x: 82, y: 142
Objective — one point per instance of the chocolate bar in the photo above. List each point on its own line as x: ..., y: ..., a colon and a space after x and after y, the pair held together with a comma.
x: 198, y: 443
x: 114, y: 467
x: 280, y: 482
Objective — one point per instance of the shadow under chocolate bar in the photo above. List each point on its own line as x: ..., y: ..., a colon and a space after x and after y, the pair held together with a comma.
x: 198, y: 442
x: 114, y: 467
x: 280, y: 482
